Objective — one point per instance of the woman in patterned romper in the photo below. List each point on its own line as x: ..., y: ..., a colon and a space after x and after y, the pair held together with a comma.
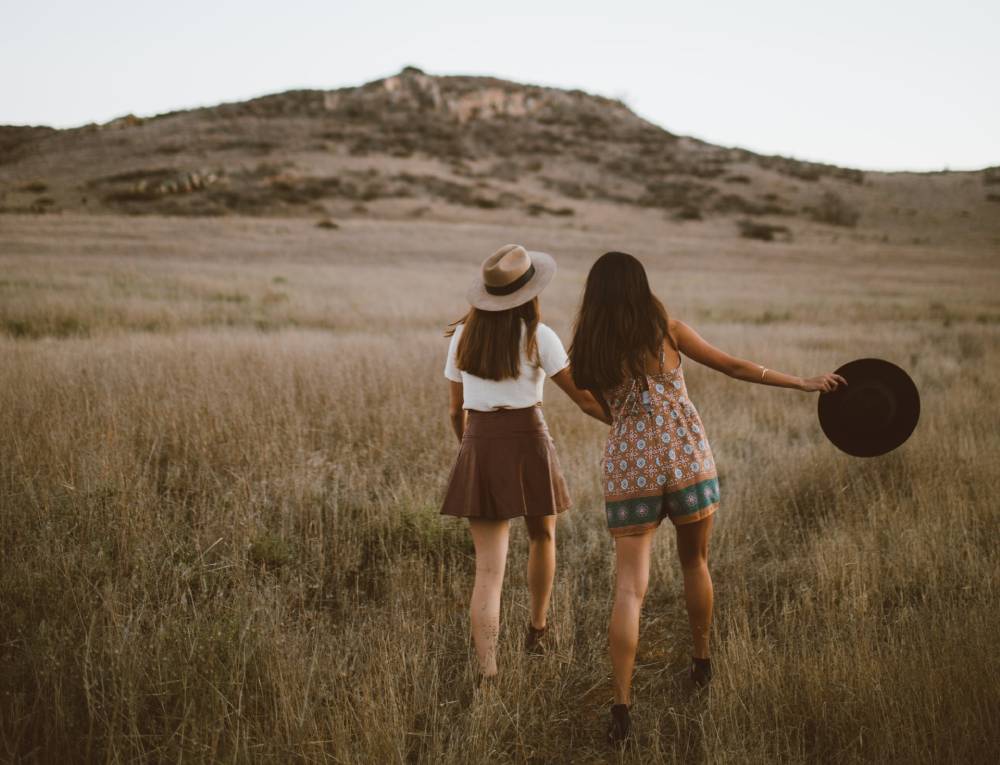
x: 657, y: 461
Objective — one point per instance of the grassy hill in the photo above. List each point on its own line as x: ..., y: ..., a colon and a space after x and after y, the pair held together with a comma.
x: 419, y: 146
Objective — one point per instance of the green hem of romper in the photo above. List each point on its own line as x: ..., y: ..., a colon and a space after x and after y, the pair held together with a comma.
x: 682, y: 505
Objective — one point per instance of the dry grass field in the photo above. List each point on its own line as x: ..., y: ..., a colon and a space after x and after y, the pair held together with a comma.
x: 223, y: 443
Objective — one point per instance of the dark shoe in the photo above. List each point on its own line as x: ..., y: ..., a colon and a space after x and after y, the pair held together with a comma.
x: 488, y: 683
x: 534, y: 641
x: 620, y: 728
x: 701, y: 672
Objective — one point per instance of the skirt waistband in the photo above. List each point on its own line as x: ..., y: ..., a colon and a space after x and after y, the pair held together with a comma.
x: 506, y: 423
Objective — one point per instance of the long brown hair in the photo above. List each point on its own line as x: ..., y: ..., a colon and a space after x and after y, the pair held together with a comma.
x: 619, y: 321
x: 490, y: 345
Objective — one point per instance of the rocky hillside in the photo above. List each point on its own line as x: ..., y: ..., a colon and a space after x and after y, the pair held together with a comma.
x: 419, y: 145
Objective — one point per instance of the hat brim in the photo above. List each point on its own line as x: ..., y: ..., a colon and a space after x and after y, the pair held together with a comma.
x: 545, y: 269
x: 874, y: 413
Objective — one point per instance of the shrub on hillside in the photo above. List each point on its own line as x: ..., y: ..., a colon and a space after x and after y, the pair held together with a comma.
x: 534, y: 209
x: 809, y: 171
x: 734, y: 203
x: 671, y: 194
x: 504, y: 170
x: 688, y: 212
x: 765, y: 232
x: 566, y: 187
x: 834, y: 211
x: 250, y: 145
x: 148, y: 174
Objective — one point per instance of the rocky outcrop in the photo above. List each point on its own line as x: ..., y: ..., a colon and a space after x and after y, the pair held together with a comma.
x: 150, y: 184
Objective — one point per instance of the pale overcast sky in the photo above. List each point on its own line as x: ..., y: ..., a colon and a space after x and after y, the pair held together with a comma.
x: 875, y: 84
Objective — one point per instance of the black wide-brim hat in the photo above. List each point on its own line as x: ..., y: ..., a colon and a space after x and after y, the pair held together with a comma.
x: 874, y: 413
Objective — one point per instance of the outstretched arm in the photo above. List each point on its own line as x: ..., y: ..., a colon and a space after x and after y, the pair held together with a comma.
x: 582, y: 398
x: 696, y: 347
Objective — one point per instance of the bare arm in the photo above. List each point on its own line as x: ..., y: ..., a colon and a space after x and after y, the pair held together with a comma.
x: 455, y: 410
x: 696, y: 347
x: 582, y: 398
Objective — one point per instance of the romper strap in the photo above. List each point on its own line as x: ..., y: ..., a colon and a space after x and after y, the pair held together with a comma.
x: 661, y: 357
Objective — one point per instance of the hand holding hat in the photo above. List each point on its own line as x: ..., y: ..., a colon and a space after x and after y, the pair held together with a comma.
x: 823, y: 383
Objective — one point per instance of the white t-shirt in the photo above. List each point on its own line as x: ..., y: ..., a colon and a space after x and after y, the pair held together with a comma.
x: 487, y: 395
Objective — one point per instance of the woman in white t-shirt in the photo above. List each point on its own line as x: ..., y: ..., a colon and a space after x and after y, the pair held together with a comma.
x: 507, y: 467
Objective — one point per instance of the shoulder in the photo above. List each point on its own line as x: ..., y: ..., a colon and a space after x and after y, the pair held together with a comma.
x: 551, y: 352
x: 545, y: 329
x: 545, y: 335
x: 679, y: 329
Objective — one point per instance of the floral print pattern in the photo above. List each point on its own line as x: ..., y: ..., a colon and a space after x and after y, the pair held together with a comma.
x: 663, y: 464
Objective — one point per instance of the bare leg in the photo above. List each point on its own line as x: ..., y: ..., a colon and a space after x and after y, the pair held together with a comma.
x: 631, y: 581
x: 692, y: 549
x: 541, y: 565
x: 490, y: 540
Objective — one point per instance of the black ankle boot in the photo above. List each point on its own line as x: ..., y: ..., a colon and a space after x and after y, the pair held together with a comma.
x: 535, y: 640
x: 701, y: 672
x: 621, y: 725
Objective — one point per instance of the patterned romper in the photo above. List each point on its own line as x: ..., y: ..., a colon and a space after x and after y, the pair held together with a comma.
x: 657, y: 460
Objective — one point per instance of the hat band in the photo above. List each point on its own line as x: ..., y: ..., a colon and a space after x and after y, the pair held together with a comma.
x: 515, y: 285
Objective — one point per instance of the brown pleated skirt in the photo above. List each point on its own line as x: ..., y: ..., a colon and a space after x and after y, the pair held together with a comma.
x: 506, y: 468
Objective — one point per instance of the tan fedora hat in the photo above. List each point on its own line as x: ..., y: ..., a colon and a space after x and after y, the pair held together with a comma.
x: 510, y: 277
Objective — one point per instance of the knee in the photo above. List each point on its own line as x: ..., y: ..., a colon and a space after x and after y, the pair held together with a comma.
x: 631, y: 591
x: 541, y: 533
x: 694, y: 561
x: 487, y: 570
